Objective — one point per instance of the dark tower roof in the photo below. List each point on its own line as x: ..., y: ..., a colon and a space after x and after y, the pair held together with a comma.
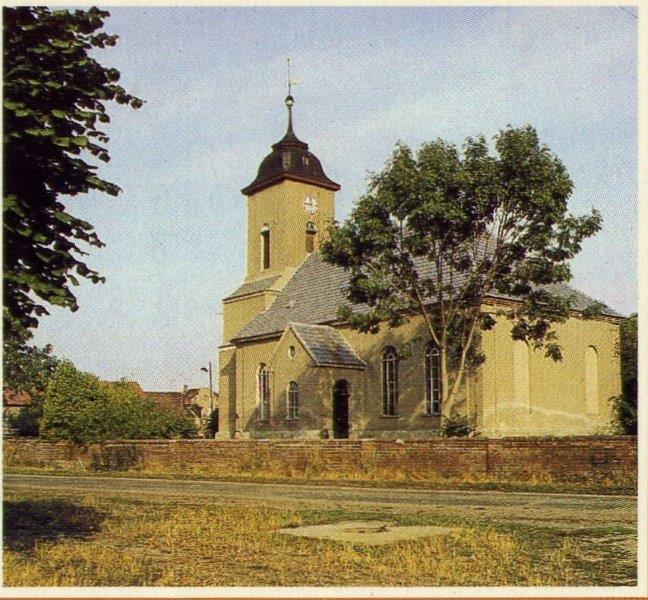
x: 290, y: 159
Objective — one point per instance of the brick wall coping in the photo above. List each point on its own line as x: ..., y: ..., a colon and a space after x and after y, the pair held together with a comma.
x: 517, y: 441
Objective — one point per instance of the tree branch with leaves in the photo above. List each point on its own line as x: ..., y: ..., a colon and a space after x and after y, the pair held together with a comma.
x: 55, y: 96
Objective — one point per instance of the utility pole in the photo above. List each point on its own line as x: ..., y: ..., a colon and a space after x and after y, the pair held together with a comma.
x: 211, y: 391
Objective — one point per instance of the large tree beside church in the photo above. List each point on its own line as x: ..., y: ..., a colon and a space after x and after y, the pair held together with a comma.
x: 442, y: 230
x: 55, y: 95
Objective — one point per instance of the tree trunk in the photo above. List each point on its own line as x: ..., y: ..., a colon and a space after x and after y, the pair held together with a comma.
x: 446, y: 401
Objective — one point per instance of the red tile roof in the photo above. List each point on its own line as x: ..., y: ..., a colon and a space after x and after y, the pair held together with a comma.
x: 11, y: 398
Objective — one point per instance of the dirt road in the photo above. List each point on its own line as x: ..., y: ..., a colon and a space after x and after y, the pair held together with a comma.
x: 570, y: 511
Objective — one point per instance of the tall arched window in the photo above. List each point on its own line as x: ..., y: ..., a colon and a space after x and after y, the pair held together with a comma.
x: 311, y: 231
x: 265, y: 247
x: 292, y: 400
x: 432, y: 379
x: 390, y: 381
x: 591, y: 381
x: 263, y: 392
x: 521, y: 393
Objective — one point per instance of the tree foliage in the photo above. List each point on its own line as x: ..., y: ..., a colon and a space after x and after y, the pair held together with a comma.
x: 55, y: 96
x: 626, y: 403
x: 28, y: 369
x: 441, y: 232
x: 81, y: 408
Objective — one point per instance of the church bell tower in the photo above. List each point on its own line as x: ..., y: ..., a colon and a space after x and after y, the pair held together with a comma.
x: 290, y: 204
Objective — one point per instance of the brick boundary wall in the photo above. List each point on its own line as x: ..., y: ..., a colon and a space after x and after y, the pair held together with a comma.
x: 558, y: 459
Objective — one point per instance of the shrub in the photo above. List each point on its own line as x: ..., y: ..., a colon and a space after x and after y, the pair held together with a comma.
x: 27, y: 369
x: 81, y: 408
x: 25, y: 423
x: 456, y: 426
x: 625, y: 405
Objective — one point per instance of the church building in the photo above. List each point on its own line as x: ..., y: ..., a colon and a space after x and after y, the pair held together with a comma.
x: 290, y: 369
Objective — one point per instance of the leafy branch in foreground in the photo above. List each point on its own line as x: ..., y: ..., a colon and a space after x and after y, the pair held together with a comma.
x: 54, y: 106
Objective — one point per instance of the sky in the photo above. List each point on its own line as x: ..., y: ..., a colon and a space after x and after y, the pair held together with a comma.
x: 213, y: 80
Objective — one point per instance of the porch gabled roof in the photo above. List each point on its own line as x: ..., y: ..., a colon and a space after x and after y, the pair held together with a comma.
x: 326, y: 346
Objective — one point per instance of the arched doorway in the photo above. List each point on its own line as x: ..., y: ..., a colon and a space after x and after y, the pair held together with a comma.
x: 341, y: 409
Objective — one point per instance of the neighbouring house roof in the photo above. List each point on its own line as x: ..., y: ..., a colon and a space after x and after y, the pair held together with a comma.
x: 167, y: 399
x: 327, y: 346
x: 316, y: 290
x: 254, y: 287
x: 11, y: 398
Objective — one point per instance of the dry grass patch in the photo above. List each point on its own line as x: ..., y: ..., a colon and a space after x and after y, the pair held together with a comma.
x: 135, y: 543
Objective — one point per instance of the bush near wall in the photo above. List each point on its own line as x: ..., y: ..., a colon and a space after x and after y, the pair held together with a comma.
x: 80, y: 408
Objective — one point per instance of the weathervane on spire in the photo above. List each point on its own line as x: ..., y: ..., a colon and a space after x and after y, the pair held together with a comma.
x: 291, y: 82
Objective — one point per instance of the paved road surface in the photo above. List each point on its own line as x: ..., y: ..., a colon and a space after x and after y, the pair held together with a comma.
x: 562, y: 510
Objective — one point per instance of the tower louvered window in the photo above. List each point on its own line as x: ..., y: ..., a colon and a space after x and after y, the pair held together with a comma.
x: 265, y: 247
x: 311, y: 231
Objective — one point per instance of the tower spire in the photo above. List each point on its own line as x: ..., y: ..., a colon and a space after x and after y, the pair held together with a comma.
x: 289, y: 99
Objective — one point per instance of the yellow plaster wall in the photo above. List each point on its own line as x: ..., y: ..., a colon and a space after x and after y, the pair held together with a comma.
x: 554, y: 405
x: 316, y: 386
x: 557, y: 398
x: 410, y: 341
x: 281, y: 208
x: 238, y: 312
x: 227, y: 391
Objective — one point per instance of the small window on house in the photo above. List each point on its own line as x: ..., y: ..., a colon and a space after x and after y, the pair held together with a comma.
x: 263, y: 392
x: 390, y: 382
x: 432, y: 379
x: 291, y: 351
x: 265, y: 247
x: 292, y: 400
x: 311, y: 232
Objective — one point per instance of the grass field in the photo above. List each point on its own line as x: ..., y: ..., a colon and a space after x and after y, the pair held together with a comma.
x: 87, y: 539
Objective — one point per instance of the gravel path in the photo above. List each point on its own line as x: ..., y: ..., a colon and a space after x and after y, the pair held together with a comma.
x: 571, y: 511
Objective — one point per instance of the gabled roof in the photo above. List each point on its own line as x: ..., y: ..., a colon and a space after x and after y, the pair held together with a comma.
x: 317, y: 289
x: 327, y: 346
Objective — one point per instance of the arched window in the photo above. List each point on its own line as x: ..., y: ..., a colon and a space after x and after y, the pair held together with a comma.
x: 432, y: 379
x: 521, y: 394
x: 263, y: 392
x: 591, y: 381
x: 311, y: 231
x: 390, y: 381
x: 292, y: 400
x: 265, y: 247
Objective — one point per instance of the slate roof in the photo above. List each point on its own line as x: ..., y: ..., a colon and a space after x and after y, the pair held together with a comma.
x: 290, y: 159
x: 253, y: 287
x: 327, y: 346
x: 316, y: 290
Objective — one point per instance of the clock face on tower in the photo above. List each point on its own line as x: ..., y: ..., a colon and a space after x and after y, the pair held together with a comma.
x: 310, y: 205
